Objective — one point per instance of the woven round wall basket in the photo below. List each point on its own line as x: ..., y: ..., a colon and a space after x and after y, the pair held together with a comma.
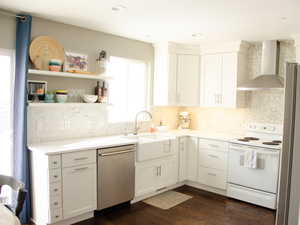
x: 45, y: 45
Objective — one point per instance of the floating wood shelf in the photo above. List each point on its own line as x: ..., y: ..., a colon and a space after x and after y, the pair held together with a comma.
x: 68, y: 75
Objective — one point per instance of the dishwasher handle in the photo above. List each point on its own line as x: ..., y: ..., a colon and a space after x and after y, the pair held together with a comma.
x: 115, y: 153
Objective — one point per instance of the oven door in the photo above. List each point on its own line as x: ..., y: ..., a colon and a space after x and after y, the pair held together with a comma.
x: 264, y: 177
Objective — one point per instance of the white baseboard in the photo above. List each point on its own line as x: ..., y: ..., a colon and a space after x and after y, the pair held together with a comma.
x: 141, y: 198
x: 188, y: 183
x: 75, y: 219
x: 206, y: 188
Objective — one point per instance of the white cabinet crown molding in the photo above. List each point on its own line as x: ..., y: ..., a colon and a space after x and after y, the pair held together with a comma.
x: 177, y: 48
x: 225, y: 47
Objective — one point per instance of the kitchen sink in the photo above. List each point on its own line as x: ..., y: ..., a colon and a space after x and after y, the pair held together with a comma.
x: 152, y: 146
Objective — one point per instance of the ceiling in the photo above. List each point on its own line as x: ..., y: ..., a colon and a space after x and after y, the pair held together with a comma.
x: 173, y: 20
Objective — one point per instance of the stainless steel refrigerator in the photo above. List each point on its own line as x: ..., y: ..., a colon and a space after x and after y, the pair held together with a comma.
x: 289, y: 188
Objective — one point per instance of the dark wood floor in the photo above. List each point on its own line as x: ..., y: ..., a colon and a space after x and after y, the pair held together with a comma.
x: 203, y: 209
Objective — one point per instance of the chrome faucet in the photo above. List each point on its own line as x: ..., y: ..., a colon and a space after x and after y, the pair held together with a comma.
x: 136, y: 128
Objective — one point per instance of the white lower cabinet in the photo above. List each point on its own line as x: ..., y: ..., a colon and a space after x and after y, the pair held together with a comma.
x: 168, y: 173
x: 192, y: 159
x: 79, y: 190
x: 183, y: 150
x: 64, y: 186
x: 155, y: 175
x: 145, y: 178
x: 212, y: 170
x: 212, y: 177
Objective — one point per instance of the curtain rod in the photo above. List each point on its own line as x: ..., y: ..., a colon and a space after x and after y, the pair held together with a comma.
x: 6, y: 13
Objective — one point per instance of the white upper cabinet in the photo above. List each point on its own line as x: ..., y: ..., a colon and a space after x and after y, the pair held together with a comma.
x: 188, y: 75
x: 223, y: 68
x: 176, y: 75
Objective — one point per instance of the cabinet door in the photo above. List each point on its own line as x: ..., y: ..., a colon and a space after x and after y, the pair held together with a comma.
x: 212, y: 177
x: 211, y: 80
x: 145, y: 178
x: 168, y: 173
x: 164, y: 77
x: 192, y: 160
x: 182, y: 147
x: 229, y: 80
x: 188, y: 74
x: 79, y: 190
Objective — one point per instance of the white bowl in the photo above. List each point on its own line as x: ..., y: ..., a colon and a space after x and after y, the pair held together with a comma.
x: 90, y: 98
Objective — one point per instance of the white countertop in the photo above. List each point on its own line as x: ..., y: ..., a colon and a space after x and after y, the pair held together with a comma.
x: 72, y: 145
x: 221, y: 136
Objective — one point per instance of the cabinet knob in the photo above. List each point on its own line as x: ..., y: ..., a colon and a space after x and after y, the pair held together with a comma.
x: 55, y: 162
x: 55, y: 176
x: 57, y: 216
x: 55, y: 189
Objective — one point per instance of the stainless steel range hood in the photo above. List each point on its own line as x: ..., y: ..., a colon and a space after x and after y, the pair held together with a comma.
x: 268, y: 78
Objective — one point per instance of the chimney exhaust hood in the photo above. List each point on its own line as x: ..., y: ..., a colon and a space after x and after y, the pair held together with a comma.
x: 268, y: 78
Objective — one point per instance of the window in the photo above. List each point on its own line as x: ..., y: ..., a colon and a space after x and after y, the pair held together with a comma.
x: 6, y: 112
x: 128, y: 89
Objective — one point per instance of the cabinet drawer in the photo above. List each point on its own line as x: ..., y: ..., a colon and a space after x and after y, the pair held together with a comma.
x: 78, y: 158
x: 55, y: 189
x: 55, y: 202
x: 54, y: 162
x: 212, y: 177
x: 54, y: 175
x: 55, y: 215
x: 213, y: 159
x: 213, y: 145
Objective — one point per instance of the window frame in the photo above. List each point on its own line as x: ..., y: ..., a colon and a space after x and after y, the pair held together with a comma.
x: 148, y: 84
x: 11, y: 54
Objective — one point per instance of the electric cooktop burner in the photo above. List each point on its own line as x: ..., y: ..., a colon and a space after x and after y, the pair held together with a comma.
x: 243, y: 139
x: 247, y: 139
x: 271, y: 143
x: 251, y: 138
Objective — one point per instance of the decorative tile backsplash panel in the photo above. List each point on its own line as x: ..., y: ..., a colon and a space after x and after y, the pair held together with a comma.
x: 62, y: 122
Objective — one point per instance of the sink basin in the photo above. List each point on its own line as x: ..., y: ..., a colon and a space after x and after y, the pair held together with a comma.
x: 151, y: 146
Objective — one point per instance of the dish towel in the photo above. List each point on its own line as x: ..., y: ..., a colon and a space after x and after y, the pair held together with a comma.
x: 250, y: 159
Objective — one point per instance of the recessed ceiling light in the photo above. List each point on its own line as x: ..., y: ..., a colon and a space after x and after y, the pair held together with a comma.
x: 118, y: 8
x: 283, y: 18
x: 197, y: 35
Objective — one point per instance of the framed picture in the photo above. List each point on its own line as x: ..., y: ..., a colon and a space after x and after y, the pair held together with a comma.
x: 36, y: 90
x: 75, y: 62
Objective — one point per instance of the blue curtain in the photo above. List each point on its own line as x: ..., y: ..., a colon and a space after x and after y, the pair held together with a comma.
x: 21, y: 159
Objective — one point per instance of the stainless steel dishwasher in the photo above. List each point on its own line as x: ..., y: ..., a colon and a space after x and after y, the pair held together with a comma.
x: 116, y: 175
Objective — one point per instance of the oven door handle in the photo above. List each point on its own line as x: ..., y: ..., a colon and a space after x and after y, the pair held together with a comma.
x: 256, y: 150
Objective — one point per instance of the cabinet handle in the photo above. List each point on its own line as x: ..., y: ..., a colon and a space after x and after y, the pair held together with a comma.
x: 213, y: 156
x: 55, y: 190
x: 55, y: 203
x: 57, y: 216
x: 157, y: 171
x: 221, y: 99
x: 160, y: 171
x: 80, y: 169
x: 55, y: 176
x: 212, y: 174
x: 82, y: 158
x: 55, y: 162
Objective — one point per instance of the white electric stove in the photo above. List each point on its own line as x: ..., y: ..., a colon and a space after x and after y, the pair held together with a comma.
x: 256, y: 185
